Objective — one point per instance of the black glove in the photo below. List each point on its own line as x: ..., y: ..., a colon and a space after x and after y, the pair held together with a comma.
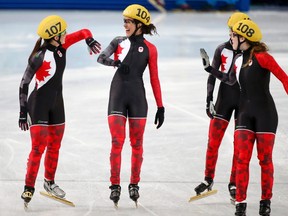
x: 210, y: 109
x: 93, y: 45
x: 205, y: 60
x: 122, y: 68
x: 159, y: 117
x: 23, y: 122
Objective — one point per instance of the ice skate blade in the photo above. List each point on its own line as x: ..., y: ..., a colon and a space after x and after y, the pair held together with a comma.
x: 115, y: 205
x: 232, y: 201
x: 203, y: 195
x: 61, y: 200
x: 136, y: 203
x: 26, y: 206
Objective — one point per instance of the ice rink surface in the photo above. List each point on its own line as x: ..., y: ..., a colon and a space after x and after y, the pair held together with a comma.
x: 174, y: 155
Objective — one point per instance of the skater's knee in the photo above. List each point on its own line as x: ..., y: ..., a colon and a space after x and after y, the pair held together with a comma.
x: 265, y: 159
x: 39, y: 149
x: 117, y: 142
x: 136, y: 143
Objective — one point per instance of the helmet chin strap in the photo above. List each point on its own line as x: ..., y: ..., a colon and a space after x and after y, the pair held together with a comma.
x: 137, y: 28
x: 58, y: 41
x: 239, y: 44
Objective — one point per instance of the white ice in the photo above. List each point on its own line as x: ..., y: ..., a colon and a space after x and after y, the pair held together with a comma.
x: 174, y: 155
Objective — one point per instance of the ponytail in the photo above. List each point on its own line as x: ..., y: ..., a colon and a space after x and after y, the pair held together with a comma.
x: 150, y: 29
x: 38, y: 46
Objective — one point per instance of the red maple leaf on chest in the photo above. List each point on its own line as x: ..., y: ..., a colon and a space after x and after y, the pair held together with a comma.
x: 43, y: 71
x: 223, y: 62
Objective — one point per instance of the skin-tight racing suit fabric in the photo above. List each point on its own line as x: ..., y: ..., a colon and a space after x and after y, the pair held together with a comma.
x: 227, y: 102
x: 45, y: 104
x: 128, y: 98
x: 257, y: 118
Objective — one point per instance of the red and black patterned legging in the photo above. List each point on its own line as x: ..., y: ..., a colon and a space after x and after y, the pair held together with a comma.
x: 117, y: 129
x: 245, y: 142
x: 217, y: 130
x: 44, y: 137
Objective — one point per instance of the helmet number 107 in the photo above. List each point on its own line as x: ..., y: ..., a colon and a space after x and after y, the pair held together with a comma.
x: 54, y: 29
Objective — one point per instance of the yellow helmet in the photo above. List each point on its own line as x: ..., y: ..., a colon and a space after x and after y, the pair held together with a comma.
x: 138, y: 12
x: 51, y: 26
x: 248, y: 29
x: 235, y: 17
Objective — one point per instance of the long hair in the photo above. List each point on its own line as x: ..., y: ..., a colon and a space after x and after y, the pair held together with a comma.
x: 257, y: 47
x: 150, y: 29
x: 146, y: 29
x: 37, y: 47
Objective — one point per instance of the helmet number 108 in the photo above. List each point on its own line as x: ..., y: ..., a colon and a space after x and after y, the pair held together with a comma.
x: 54, y: 29
x: 245, y: 29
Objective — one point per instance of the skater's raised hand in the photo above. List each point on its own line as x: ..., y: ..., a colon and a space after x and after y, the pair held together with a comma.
x: 159, y: 117
x: 93, y: 45
x: 205, y: 60
x: 23, y: 121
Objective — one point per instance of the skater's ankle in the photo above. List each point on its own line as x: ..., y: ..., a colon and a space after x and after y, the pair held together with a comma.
x: 115, y: 193
x: 241, y: 208
x: 131, y: 185
x: 51, y: 187
x: 27, y: 193
x: 50, y: 182
x: 115, y: 186
x: 134, y: 192
x: 264, y: 208
x: 209, y: 180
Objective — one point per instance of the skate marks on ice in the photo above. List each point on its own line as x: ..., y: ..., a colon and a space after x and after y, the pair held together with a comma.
x: 61, y: 200
x: 202, y: 195
x: 138, y: 206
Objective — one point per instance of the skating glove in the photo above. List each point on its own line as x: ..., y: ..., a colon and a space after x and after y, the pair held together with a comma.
x: 122, y: 68
x: 23, y: 121
x: 93, y: 45
x: 159, y: 117
x: 205, y: 60
x: 210, y: 109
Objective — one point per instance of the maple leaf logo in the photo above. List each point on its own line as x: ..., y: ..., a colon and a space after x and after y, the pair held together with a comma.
x: 224, y: 62
x: 43, y: 71
x: 118, y: 52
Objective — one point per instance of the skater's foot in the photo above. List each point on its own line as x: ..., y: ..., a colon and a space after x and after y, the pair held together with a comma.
x: 115, y: 193
x: 241, y: 209
x: 53, y: 189
x: 27, y: 194
x: 205, y: 185
x: 265, y: 208
x: 232, y: 190
x: 133, y: 192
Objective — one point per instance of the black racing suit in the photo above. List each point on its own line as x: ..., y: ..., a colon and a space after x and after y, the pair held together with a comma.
x: 227, y: 102
x: 45, y: 105
x: 128, y: 99
x: 257, y: 118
